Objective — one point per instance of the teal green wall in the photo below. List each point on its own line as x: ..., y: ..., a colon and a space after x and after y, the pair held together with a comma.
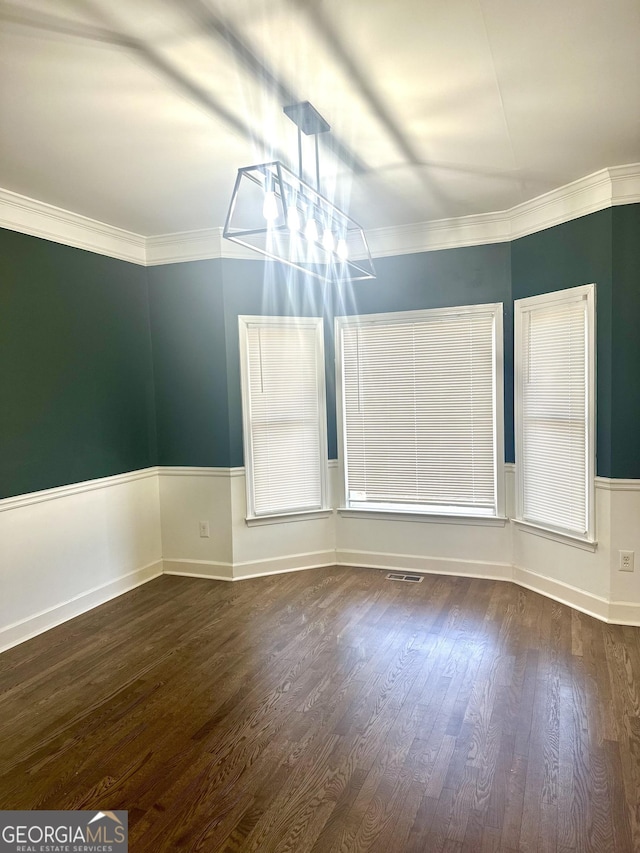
x: 194, y: 311
x: 568, y: 255
x: 194, y: 314
x: 110, y: 367
x: 625, y: 337
x: 190, y: 369
x: 76, y: 383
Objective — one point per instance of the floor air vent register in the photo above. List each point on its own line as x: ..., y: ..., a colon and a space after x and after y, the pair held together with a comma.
x: 397, y: 576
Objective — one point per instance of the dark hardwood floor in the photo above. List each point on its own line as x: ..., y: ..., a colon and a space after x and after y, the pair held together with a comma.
x: 332, y: 710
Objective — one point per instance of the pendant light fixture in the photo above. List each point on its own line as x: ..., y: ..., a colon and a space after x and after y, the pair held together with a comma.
x: 282, y: 216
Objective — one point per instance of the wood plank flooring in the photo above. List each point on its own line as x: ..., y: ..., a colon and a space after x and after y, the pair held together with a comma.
x: 332, y: 710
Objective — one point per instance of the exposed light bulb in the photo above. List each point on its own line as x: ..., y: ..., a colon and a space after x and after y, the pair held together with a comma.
x: 270, y: 206
x: 327, y: 240
x: 293, y: 217
x: 342, y: 250
x: 311, y: 230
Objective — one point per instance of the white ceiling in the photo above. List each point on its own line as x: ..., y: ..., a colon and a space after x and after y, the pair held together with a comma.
x: 138, y: 114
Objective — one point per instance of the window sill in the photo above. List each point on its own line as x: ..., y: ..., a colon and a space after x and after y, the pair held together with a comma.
x: 430, y: 517
x: 556, y: 535
x: 285, y: 518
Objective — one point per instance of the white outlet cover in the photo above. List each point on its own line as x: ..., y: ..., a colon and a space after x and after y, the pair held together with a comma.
x: 626, y: 561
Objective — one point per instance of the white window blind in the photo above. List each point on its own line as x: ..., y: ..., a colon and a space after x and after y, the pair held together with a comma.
x: 282, y: 365
x: 419, y: 410
x: 554, y: 394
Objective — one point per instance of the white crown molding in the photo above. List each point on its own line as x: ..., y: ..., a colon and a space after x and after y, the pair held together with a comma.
x: 586, y: 195
x: 603, y: 189
x: 205, y: 244
x: 38, y: 219
x: 606, y: 188
x: 200, y: 245
x: 476, y: 230
x: 625, y: 184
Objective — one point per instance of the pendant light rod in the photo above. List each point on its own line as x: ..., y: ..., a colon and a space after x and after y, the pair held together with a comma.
x: 308, y: 121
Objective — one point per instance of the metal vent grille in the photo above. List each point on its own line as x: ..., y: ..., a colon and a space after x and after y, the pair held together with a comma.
x: 397, y: 576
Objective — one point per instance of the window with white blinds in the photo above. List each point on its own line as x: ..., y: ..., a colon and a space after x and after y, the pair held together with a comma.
x: 420, y: 397
x: 554, y: 393
x: 284, y: 414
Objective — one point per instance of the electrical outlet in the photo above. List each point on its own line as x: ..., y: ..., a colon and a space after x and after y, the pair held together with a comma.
x: 626, y: 561
x: 204, y: 529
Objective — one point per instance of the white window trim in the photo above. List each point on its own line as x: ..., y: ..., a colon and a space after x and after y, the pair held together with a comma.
x: 286, y: 517
x: 422, y: 514
x: 430, y: 517
x: 253, y: 518
x: 559, y: 534
x: 556, y: 535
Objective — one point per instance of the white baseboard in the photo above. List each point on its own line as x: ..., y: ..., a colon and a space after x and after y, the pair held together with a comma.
x: 24, y: 630
x: 425, y: 565
x: 70, y: 520
x: 612, y: 612
x: 624, y: 613
x: 619, y: 613
x: 208, y: 569
x: 615, y: 612
x: 586, y: 602
x: 250, y: 569
x: 281, y: 565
